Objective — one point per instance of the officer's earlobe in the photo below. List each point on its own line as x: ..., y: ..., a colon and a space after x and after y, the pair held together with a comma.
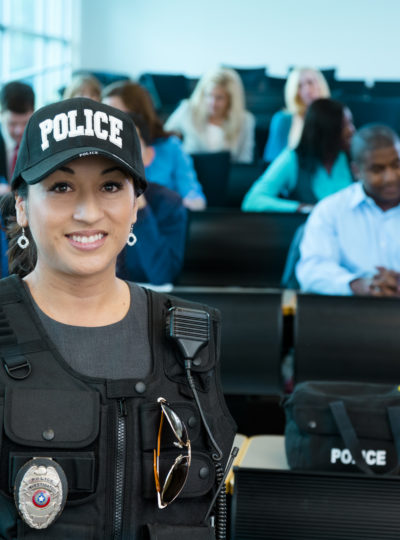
x: 21, y: 211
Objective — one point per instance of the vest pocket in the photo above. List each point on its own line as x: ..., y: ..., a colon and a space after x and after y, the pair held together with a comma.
x: 150, y: 421
x: 59, y: 424
x: 51, y: 418
x: 201, y: 477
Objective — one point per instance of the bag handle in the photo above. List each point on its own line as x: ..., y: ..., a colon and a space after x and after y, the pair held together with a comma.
x: 350, y: 438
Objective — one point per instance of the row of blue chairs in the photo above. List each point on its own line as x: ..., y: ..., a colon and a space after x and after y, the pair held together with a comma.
x: 227, y: 247
x: 336, y: 338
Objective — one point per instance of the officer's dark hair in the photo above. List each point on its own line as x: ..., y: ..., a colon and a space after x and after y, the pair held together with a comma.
x: 321, y: 139
x: 369, y: 138
x: 17, y: 97
x: 20, y: 261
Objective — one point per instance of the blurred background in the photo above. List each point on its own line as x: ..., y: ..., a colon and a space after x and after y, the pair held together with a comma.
x: 44, y: 41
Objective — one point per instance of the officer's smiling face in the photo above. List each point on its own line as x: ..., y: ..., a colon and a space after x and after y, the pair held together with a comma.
x: 80, y: 217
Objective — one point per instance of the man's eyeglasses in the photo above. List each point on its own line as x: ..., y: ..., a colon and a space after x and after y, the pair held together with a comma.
x: 178, y: 473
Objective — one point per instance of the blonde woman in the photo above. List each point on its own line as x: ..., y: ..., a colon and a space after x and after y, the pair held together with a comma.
x: 83, y: 86
x: 303, y: 86
x: 214, y: 118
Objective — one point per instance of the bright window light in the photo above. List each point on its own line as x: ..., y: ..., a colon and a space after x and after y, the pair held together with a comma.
x: 37, y: 43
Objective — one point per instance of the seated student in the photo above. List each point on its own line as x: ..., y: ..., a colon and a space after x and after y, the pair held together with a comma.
x: 316, y: 168
x: 83, y: 86
x: 160, y: 229
x: 169, y: 165
x: 17, y: 102
x: 214, y: 118
x: 351, y: 243
x: 303, y: 86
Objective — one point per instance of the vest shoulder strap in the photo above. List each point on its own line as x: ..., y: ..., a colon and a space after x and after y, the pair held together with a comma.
x: 18, y: 332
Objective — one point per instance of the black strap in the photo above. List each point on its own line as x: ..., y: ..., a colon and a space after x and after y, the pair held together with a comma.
x: 349, y: 435
x: 350, y: 438
x: 79, y: 469
x: 394, y: 421
x: 19, y: 336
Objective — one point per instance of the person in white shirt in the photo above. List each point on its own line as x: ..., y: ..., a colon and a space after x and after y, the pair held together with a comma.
x: 214, y: 118
x: 351, y: 242
x: 17, y: 103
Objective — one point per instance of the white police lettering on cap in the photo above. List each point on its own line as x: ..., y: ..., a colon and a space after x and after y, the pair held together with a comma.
x: 74, y: 130
x: 100, y: 124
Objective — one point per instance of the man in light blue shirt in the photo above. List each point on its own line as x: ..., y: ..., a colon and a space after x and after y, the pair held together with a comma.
x: 351, y: 242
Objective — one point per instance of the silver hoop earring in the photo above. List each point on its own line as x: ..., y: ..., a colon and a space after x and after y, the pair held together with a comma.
x: 23, y: 241
x: 131, y: 238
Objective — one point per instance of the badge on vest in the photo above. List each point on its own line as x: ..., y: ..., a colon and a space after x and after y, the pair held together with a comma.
x: 40, y: 492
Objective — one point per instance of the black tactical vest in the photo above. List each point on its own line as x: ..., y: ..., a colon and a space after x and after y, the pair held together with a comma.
x: 103, y: 432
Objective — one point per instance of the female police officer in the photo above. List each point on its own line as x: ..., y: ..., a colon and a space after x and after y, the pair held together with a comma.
x: 103, y: 414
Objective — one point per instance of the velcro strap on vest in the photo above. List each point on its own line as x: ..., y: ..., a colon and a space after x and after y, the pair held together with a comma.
x: 79, y: 469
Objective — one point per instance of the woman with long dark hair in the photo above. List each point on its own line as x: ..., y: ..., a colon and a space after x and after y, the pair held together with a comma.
x: 317, y: 167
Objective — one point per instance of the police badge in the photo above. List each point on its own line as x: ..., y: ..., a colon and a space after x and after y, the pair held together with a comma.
x: 40, y: 492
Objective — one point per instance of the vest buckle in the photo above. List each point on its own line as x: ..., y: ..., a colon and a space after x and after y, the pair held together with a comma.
x: 13, y: 367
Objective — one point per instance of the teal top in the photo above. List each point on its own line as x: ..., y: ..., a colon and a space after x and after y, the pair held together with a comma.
x: 280, y: 179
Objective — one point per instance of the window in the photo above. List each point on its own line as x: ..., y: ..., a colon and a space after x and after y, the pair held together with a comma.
x: 37, y: 43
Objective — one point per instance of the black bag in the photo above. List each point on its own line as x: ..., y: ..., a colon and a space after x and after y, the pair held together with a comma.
x: 335, y: 426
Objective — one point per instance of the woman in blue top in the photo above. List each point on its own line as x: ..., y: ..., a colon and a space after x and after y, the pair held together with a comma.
x: 317, y: 167
x: 168, y: 165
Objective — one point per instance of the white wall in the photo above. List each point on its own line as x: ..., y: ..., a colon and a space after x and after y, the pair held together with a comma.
x: 360, y: 37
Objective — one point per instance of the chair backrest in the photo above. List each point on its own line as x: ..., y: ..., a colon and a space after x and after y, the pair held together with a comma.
x: 212, y: 170
x: 289, y: 279
x: 342, y: 88
x: 386, y: 89
x: 252, y: 78
x: 241, y: 177
x: 330, y: 75
x: 171, y: 88
x: 251, y: 336
x: 230, y: 247
x: 276, y: 85
x: 292, y: 505
x: 264, y: 103
x: 347, y: 338
x: 166, y: 91
x: 382, y: 110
